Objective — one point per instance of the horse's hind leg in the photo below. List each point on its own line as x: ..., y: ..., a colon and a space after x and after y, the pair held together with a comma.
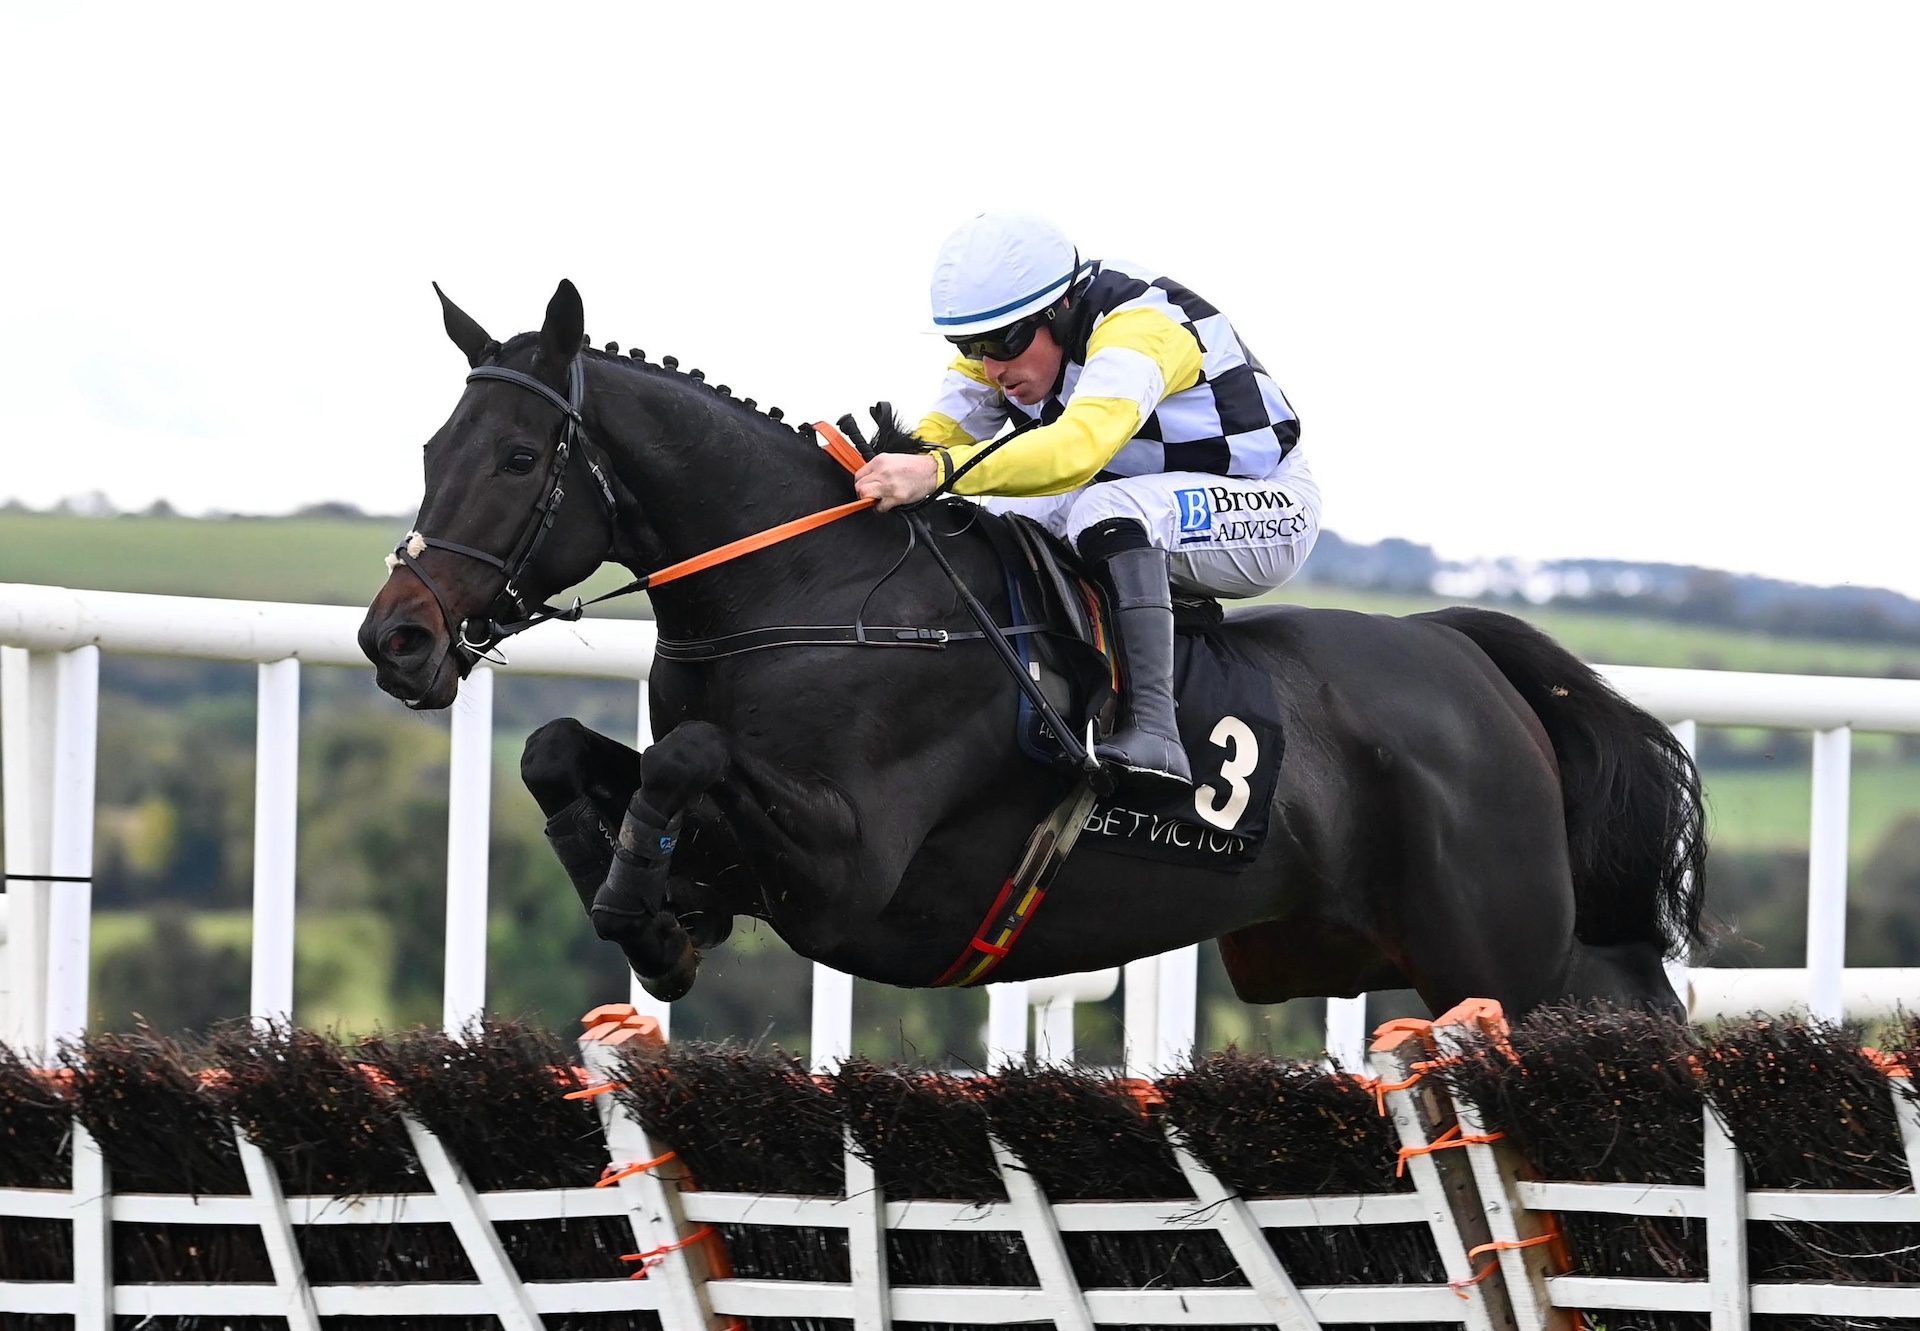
x: 1625, y: 974
x: 1488, y: 910
x: 1480, y: 902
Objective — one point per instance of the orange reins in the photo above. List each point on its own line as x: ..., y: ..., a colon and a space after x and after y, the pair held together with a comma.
x: 840, y: 450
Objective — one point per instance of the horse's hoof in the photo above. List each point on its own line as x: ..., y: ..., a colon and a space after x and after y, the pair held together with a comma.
x: 707, y: 928
x: 674, y: 984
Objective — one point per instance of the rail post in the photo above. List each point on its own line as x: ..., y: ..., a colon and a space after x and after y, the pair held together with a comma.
x: 1827, y: 872
x: 70, y: 912
x: 469, y: 811
x: 51, y: 702
x: 276, y: 803
x: 27, y: 686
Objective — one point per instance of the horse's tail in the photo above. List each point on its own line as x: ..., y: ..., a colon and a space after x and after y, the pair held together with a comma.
x: 1635, y: 828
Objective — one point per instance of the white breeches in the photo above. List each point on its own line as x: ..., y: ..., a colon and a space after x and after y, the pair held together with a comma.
x: 1224, y: 535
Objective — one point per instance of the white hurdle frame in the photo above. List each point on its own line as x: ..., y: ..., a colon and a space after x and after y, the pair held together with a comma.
x: 693, y: 1298
x: 687, y: 1293
x: 1727, y: 1204
x: 50, y: 638
x: 1518, y: 1207
x: 94, y: 1299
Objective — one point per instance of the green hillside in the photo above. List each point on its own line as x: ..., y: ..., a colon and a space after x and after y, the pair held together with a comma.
x: 1647, y: 640
x: 321, y: 561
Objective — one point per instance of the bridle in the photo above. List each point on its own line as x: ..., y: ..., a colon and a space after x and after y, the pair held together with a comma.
x: 478, y: 637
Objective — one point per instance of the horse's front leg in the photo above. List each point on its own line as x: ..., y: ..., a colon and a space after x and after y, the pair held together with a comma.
x: 796, y: 822
x: 582, y: 781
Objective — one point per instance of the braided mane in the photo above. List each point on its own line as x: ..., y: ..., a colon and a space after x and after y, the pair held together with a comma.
x: 890, y: 436
x: 668, y: 364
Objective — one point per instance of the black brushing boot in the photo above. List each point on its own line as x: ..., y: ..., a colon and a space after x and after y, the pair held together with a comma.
x: 1147, y: 743
x: 636, y: 883
x: 585, y: 848
x: 630, y: 909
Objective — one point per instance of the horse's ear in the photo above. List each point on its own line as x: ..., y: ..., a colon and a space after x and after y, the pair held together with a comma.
x: 469, y: 336
x: 566, y: 325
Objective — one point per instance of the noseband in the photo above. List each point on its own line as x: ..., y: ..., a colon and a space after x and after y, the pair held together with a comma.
x: 478, y: 637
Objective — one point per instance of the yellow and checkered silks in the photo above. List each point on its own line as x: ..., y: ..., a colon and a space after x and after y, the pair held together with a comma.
x: 1163, y: 383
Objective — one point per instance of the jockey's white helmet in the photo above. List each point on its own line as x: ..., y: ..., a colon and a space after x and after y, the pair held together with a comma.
x: 997, y: 268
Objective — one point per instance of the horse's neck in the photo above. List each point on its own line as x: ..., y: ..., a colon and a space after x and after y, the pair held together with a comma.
x: 704, y: 472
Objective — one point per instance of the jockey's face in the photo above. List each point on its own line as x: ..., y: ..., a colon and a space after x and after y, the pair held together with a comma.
x: 1030, y: 376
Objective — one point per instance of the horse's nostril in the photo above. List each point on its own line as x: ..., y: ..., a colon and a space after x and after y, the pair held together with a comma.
x: 407, y: 640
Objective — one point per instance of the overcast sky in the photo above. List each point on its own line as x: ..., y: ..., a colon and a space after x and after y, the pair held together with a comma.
x: 1634, y: 280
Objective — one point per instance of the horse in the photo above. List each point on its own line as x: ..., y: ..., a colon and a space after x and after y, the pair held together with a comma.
x: 1462, y: 806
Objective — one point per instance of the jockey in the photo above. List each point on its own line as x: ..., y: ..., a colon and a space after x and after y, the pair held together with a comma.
x: 1144, y: 433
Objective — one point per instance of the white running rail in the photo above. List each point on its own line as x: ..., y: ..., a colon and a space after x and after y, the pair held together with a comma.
x: 51, y: 637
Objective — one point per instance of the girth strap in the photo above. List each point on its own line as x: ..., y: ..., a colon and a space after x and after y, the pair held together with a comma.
x: 822, y: 635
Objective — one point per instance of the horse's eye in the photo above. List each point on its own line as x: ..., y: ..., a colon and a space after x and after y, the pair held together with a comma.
x: 520, y: 461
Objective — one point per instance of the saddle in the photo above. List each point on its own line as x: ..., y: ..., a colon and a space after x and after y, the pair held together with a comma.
x: 1061, y: 631
x: 1229, y: 715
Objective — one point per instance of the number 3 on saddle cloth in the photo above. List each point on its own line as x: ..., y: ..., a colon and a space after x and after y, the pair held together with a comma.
x: 1228, y: 714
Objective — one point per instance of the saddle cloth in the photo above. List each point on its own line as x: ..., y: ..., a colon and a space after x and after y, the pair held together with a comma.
x: 1229, y: 721
x: 1228, y: 714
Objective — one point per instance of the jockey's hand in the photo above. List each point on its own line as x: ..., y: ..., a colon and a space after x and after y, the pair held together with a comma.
x: 897, y: 478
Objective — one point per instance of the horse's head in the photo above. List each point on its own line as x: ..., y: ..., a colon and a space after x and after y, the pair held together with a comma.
x: 516, y: 507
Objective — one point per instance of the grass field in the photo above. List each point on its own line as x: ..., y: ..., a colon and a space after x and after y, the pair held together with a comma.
x: 1765, y: 809
x: 309, y: 560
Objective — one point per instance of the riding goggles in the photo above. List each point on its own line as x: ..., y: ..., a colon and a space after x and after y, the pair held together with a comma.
x: 1002, y: 343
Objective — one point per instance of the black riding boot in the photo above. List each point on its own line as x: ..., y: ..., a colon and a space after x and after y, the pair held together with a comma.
x: 1148, y: 740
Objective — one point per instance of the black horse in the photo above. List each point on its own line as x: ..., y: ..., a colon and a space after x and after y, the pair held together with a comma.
x: 1463, y: 808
